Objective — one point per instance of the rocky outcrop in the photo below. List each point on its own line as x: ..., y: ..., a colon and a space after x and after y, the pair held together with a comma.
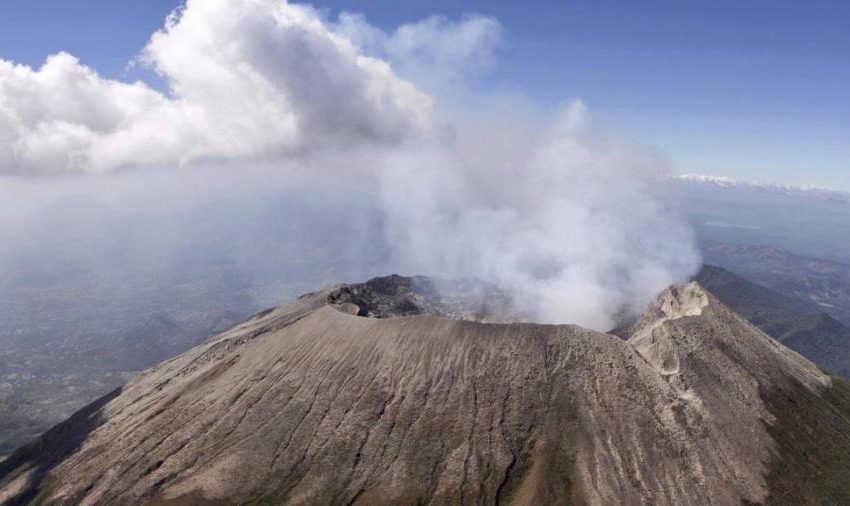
x: 393, y: 296
x: 310, y: 403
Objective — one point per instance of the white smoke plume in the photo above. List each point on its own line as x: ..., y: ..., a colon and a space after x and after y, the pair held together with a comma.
x: 582, y: 228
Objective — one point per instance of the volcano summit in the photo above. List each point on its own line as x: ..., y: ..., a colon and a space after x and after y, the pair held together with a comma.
x: 405, y: 391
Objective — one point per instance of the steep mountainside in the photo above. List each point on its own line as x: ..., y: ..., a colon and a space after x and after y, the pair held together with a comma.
x: 800, y: 325
x: 310, y: 403
x: 822, y: 282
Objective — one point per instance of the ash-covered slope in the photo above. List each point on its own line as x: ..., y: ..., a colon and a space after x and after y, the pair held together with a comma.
x: 311, y: 404
x: 797, y: 324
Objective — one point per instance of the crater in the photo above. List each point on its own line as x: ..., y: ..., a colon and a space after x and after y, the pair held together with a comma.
x: 397, y: 296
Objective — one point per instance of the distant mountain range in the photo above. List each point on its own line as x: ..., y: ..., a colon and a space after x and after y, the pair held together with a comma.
x: 801, y: 191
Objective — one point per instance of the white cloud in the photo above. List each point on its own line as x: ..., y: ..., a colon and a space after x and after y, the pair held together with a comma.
x: 51, y: 117
x: 248, y: 79
x: 436, y: 53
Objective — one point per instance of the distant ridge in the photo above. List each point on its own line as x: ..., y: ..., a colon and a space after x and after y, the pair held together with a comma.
x: 798, y: 324
x: 776, y: 188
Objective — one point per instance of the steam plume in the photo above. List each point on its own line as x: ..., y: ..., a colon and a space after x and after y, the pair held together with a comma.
x: 583, y: 228
x: 580, y: 227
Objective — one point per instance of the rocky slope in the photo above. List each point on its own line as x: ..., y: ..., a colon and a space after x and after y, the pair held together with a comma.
x: 310, y: 403
x: 798, y: 324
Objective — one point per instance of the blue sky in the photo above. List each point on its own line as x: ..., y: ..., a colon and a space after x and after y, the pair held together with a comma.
x: 754, y: 89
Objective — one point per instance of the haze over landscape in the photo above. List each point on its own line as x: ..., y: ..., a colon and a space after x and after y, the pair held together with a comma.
x: 282, y: 96
x: 255, y: 151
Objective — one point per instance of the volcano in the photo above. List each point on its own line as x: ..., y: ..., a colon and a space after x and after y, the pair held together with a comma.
x: 418, y: 391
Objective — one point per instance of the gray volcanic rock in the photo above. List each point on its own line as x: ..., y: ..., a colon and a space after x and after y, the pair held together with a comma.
x: 800, y: 325
x: 309, y: 403
x: 391, y: 296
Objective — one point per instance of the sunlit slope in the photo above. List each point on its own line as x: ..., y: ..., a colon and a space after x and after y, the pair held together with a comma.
x: 311, y: 404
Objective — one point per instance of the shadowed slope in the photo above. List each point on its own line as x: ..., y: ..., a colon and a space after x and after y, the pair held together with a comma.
x: 29, y: 466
